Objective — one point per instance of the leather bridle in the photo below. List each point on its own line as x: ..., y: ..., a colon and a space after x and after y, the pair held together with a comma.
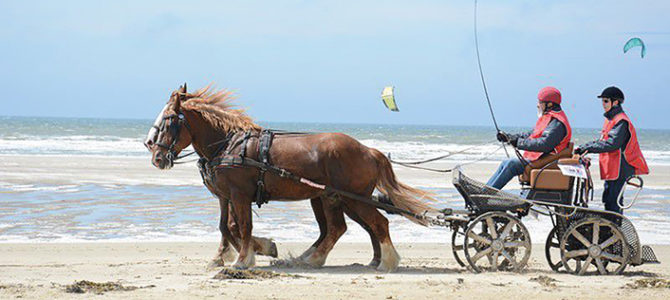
x: 174, y: 128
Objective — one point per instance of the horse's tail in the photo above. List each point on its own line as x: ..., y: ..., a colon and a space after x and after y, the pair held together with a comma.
x: 403, y: 196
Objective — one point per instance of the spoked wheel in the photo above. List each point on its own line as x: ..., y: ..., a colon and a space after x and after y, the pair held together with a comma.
x: 596, y: 244
x: 497, y: 241
x: 552, y: 250
x: 457, y: 245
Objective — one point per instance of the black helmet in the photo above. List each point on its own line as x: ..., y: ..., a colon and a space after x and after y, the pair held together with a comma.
x: 613, y: 93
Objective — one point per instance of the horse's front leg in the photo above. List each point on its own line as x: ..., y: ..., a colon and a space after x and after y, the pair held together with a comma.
x: 241, y: 205
x: 226, y: 251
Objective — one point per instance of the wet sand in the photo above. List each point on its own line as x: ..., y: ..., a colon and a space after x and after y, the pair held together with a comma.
x: 54, y: 169
x: 179, y: 271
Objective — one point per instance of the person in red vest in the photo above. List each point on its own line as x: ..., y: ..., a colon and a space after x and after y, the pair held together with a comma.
x: 551, y: 134
x: 620, y: 154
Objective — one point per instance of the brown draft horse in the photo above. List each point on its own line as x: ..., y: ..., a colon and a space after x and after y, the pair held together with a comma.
x: 205, y: 118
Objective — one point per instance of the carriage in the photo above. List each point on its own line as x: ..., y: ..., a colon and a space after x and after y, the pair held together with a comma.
x: 489, y: 234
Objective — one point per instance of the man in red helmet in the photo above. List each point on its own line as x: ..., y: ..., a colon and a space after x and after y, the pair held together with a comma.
x: 551, y: 134
x: 620, y: 154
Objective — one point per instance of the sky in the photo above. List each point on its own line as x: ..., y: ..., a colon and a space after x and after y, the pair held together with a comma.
x: 327, y: 61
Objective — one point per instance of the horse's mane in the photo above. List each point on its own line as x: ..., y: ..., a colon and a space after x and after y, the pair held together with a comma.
x: 217, y: 109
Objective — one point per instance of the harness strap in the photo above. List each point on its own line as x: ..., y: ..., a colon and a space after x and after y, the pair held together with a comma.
x: 264, y: 166
x: 264, y: 144
x: 243, y: 148
x: 283, y: 173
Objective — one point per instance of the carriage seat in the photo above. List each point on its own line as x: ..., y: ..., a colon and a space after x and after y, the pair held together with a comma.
x: 546, y: 166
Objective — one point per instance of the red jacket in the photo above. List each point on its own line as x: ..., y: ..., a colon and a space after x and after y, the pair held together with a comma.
x: 541, y: 124
x: 610, y: 161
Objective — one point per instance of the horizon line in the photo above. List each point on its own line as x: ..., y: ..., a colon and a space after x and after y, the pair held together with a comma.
x: 308, y: 122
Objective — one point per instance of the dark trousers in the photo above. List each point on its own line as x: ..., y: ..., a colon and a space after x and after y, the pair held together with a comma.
x: 611, y: 194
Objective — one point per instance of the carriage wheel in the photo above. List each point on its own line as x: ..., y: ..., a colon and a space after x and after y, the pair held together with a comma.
x: 594, y: 243
x: 494, y: 235
x: 552, y: 250
x: 457, y: 245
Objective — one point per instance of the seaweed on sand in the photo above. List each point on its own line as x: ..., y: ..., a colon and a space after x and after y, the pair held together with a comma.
x: 228, y: 273
x: 83, y: 286
x: 657, y: 283
x: 545, y: 280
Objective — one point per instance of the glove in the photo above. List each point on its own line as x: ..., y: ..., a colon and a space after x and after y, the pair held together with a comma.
x: 514, y: 140
x: 502, y: 137
x: 579, y: 151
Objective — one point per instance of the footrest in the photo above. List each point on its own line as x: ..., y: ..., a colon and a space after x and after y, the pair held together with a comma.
x: 648, y: 256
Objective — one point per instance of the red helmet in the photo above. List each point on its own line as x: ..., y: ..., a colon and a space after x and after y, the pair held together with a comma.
x: 549, y: 94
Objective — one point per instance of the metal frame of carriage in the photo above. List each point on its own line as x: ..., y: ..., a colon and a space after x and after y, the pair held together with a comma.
x: 582, y: 240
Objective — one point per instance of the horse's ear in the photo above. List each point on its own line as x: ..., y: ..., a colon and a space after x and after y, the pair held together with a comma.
x: 183, y: 90
x: 177, y: 104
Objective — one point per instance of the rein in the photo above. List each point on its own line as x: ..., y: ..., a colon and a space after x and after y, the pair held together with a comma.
x: 415, y: 164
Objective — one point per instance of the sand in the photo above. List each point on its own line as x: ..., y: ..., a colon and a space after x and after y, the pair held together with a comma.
x: 179, y: 271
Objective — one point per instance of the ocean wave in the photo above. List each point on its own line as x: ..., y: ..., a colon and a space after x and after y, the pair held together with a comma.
x: 400, y: 150
x: 74, y: 145
x: 420, y: 150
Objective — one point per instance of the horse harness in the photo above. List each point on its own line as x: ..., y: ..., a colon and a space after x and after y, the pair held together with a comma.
x: 224, y: 158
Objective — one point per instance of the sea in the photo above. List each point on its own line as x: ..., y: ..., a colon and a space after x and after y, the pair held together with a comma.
x: 151, y: 211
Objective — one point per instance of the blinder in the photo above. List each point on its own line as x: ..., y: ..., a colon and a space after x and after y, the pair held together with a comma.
x: 174, y: 128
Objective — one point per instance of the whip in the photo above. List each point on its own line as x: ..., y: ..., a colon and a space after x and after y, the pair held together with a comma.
x: 481, y: 75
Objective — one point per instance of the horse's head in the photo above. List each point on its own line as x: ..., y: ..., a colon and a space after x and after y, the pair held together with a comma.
x: 170, y: 133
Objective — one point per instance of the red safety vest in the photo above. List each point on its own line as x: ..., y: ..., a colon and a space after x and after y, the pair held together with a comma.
x: 610, y: 161
x: 542, y: 124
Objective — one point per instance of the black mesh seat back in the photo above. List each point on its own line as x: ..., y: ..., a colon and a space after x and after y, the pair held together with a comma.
x: 482, y: 198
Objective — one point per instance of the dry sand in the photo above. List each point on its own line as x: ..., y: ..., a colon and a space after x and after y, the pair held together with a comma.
x: 179, y: 270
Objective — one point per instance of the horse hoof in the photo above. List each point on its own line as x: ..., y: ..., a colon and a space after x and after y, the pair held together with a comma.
x: 313, y: 262
x: 307, y: 253
x: 215, y: 263
x: 386, y: 269
x: 228, y: 254
x: 273, y: 251
x: 374, y: 263
x: 240, y: 266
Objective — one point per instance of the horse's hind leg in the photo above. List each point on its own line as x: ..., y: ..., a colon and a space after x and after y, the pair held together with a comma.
x: 226, y: 252
x: 379, y: 226
x: 335, y: 228
x: 376, y: 258
x: 317, y: 208
x: 261, y: 245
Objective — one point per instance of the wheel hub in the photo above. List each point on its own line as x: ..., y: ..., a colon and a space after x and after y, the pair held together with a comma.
x: 497, y: 245
x: 595, y: 251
